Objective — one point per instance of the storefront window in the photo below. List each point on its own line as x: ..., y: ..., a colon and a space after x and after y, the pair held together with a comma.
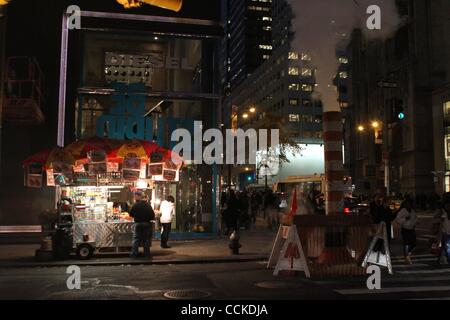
x: 144, y: 88
x: 161, y: 64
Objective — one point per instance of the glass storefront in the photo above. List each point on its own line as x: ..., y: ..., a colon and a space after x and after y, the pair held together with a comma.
x: 136, y: 86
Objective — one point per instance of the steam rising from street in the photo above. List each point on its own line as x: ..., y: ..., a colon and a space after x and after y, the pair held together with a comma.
x: 321, y: 25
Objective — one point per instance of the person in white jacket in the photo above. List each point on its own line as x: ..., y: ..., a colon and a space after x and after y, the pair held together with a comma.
x: 167, y: 210
x: 407, y: 219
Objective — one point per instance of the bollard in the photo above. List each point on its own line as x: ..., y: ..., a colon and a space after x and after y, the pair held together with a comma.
x: 234, y: 243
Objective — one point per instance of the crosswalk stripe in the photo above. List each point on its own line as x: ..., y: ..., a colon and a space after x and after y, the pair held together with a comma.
x: 415, y: 256
x: 416, y: 260
x: 393, y: 290
x: 424, y: 271
x: 416, y: 279
x: 416, y: 265
x: 442, y: 278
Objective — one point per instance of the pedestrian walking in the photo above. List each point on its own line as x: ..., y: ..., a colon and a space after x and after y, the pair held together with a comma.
x: 380, y: 212
x: 167, y: 214
x: 407, y: 219
x: 143, y: 215
x: 271, y: 209
x: 231, y: 213
x: 254, y: 204
x: 441, y: 228
x: 244, y: 205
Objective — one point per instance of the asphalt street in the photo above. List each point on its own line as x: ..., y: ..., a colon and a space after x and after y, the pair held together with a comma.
x: 230, y: 281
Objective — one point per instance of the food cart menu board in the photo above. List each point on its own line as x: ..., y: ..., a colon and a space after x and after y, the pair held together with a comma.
x: 131, y: 168
x: 156, y: 157
x: 97, y: 162
x: 34, y: 176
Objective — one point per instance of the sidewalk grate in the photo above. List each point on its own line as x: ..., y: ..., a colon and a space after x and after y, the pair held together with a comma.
x: 189, y: 294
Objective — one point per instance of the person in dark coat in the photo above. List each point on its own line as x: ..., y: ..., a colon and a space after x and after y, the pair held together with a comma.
x: 231, y: 213
x: 380, y: 212
x: 143, y: 215
x: 244, y: 218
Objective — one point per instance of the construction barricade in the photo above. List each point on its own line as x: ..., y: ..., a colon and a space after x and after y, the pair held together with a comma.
x: 334, y: 246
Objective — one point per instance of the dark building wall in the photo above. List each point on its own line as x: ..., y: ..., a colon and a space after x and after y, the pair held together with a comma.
x: 406, y: 59
x: 441, y: 91
x: 248, y: 26
x: 34, y: 29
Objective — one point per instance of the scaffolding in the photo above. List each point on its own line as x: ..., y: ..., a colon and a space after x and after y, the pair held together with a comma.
x: 23, y: 96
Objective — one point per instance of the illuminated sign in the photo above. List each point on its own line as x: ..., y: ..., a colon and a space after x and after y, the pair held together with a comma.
x: 127, y: 68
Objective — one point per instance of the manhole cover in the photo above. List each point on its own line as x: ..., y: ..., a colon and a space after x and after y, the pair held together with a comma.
x: 278, y: 285
x: 187, y: 294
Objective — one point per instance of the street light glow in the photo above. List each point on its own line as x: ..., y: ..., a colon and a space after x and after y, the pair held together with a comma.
x: 245, y: 116
x: 253, y: 110
x: 375, y: 124
x: 360, y: 128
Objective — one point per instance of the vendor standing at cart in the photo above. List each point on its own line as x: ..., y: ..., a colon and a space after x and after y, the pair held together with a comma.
x: 143, y: 215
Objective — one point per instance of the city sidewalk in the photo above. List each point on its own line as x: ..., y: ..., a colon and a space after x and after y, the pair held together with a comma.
x: 256, y: 246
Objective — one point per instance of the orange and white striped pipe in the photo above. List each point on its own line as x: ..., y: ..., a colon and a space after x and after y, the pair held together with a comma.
x: 334, y: 167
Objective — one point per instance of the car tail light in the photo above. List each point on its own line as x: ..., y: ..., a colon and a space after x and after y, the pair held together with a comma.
x: 347, y: 210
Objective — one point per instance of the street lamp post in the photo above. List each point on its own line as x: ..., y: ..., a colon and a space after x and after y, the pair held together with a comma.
x: 245, y: 114
x: 376, y: 125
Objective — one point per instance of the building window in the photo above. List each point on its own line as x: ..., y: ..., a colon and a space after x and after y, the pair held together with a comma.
x: 307, y: 118
x: 294, y: 87
x: 267, y: 28
x: 293, y: 56
x: 293, y: 102
x: 343, y: 74
x: 265, y: 47
x: 306, y: 57
x: 293, y: 71
x: 307, y: 103
x: 343, y: 104
x: 294, y: 118
x: 307, y: 88
x: 318, y: 119
x: 447, y: 109
x: 266, y: 57
x: 255, y: 8
x: 306, y: 72
x: 267, y: 18
x: 343, y: 60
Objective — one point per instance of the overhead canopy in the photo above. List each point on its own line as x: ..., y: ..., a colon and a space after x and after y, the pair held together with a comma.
x: 47, y: 157
x: 77, y: 152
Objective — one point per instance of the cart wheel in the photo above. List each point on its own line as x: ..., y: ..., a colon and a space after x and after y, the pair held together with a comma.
x: 85, y: 251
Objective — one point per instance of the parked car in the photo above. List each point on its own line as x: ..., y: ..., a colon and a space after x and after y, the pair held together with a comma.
x: 352, y: 206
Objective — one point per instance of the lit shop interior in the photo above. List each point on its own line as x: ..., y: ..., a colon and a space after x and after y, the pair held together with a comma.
x: 143, y: 85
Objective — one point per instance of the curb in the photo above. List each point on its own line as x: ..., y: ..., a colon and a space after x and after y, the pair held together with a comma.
x: 132, y: 262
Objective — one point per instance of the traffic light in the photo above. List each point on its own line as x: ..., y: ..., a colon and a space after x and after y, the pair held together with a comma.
x: 398, y: 110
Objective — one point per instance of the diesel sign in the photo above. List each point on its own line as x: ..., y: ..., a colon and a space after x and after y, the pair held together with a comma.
x: 153, y: 61
x: 128, y: 68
